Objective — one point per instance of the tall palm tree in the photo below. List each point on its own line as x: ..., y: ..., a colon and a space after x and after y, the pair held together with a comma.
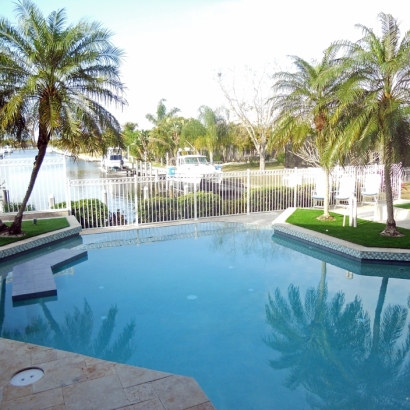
x: 61, y: 75
x: 215, y: 128
x: 379, y: 84
x: 306, y: 102
x: 162, y: 113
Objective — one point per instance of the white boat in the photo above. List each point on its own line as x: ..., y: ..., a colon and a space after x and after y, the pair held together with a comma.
x: 191, y: 171
x: 113, y: 161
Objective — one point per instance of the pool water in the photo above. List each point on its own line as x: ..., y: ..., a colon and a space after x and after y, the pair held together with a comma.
x: 259, y: 322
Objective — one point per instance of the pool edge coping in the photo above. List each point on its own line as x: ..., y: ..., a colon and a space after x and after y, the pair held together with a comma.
x: 29, y: 244
x: 335, y: 245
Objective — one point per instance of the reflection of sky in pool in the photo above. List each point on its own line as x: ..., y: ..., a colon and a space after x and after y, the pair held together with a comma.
x: 198, y: 305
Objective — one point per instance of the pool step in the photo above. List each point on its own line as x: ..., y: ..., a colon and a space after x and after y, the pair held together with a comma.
x: 35, y: 279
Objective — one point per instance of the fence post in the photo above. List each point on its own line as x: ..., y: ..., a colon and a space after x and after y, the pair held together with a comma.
x: 68, y: 198
x: 51, y: 201
x: 104, y: 197
x: 295, y: 185
x: 248, y: 192
x: 171, y: 189
x: 195, y: 203
x: 136, y: 198
x: 156, y: 181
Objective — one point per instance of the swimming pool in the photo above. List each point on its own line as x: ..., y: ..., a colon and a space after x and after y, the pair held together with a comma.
x: 260, y: 323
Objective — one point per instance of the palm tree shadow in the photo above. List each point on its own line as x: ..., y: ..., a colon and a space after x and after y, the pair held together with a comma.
x: 76, y: 334
x: 330, y: 349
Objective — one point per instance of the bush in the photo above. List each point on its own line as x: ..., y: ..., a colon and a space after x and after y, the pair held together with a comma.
x: 208, y: 204
x: 90, y: 213
x: 15, y: 206
x: 279, y: 198
x: 157, y: 209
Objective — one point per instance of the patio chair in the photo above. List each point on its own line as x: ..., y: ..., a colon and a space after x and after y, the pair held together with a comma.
x: 371, y: 189
x: 318, y: 194
x: 345, y: 191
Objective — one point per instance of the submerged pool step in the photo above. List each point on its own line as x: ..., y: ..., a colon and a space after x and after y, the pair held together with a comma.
x: 34, y: 279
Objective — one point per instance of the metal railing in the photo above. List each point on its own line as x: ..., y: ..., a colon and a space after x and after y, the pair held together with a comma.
x: 49, y: 187
x: 154, y: 197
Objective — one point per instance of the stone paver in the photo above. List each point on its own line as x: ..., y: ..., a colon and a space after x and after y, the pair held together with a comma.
x: 75, y: 382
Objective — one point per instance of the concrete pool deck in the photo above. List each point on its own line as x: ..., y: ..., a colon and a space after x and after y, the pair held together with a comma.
x: 73, y: 381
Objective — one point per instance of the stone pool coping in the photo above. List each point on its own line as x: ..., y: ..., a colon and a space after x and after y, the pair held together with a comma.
x: 73, y: 381
x: 335, y: 245
x: 41, y: 240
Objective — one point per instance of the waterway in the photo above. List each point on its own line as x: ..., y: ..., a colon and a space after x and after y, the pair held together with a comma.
x: 76, y: 169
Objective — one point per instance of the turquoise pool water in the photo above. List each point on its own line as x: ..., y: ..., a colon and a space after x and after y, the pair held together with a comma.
x: 260, y: 322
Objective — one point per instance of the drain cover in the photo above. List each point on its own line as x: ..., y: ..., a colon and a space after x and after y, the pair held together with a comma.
x: 27, y: 376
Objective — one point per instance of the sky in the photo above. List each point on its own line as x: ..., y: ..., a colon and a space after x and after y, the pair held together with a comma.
x: 175, y: 48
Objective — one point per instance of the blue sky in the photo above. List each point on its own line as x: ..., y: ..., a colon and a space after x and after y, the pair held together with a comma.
x: 174, y: 48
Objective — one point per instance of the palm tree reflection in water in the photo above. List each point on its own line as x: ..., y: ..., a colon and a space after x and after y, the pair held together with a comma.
x: 332, y: 352
x: 75, y: 334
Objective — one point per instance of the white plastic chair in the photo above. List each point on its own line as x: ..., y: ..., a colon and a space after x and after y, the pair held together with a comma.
x: 345, y: 191
x: 371, y: 189
x: 318, y: 194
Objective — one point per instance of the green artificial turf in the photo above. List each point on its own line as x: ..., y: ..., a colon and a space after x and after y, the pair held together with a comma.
x: 30, y: 230
x: 404, y: 206
x: 367, y: 233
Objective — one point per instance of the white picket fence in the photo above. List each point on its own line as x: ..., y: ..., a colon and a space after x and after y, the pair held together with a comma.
x: 154, y: 199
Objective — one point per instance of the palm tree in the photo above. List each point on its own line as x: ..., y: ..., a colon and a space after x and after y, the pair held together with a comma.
x: 60, y: 75
x: 379, y: 84
x: 162, y: 113
x: 306, y: 103
x: 215, y: 129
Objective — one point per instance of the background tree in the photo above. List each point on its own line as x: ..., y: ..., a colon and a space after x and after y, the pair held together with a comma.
x: 162, y: 113
x: 165, y: 136
x: 306, y: 103
x: 216, y: 129
x: 252, y: 108
x: 137, y: 141
x: 379, y: 86
x: 59, y: 74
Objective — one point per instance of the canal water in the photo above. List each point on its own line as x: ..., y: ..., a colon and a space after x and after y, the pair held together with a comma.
x: 76, y: 169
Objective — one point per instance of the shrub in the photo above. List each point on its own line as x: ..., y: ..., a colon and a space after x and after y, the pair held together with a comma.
x: 157, y: 209
x: 15, y: 206
x: 279, y: 198
x: 208, y: 204
x: 90, y: 213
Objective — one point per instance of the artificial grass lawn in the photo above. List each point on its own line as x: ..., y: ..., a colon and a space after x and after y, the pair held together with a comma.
x: 251, y: 166
x: 367, y: 233
x: 404, y: 206
x: 30, y: 230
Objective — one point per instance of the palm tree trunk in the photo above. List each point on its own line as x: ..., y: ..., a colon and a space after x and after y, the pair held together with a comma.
x: 390, y: 229
x: 377, y: 315
x: 326, y: 199
x: 15, y: 228
x: 321, y: 293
